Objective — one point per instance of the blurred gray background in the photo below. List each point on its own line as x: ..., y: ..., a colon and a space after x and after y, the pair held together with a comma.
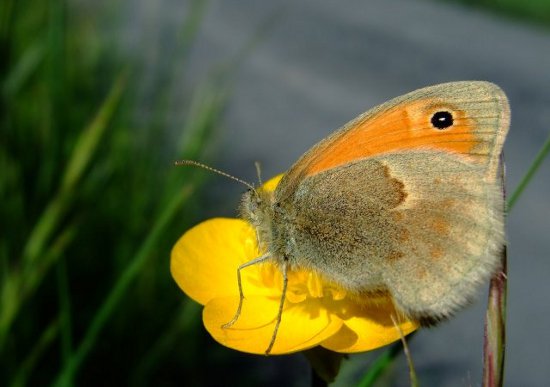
x: 323, y: 62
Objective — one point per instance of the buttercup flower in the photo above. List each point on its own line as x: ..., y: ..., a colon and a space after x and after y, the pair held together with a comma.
x: 204, y: 264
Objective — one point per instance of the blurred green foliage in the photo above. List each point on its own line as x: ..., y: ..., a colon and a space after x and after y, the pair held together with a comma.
x: 90, y: 202
x: 537, y: 11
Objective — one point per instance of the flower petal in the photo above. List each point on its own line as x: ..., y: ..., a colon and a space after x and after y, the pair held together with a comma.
x: 368, y: 327
x: 204, y: 260
x: 303, y: 325
x: 272, y: 183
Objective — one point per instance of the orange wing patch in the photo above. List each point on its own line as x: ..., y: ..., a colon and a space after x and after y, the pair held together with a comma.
x: 480, y: 120
x: 406, y: 128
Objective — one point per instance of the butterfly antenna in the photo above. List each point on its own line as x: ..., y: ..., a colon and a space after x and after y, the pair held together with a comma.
x: 204, y: 166
x: 258, y: 171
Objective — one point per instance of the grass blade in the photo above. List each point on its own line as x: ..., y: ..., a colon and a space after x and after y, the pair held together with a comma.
x: 535, y: 165
x: 19, y: 285
x: 66, y: 375
x: 52, y: 215
x: 47, y: 338
x: 24, y: 69
x: 80, y: 158
x: 65, y: 310
x: 182, y: 324
x: 6, y: 17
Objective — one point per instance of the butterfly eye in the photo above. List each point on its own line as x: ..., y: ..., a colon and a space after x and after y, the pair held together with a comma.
x: 442, y: 120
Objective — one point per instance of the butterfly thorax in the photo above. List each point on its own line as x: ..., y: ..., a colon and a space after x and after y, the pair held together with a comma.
x: 273, y: 220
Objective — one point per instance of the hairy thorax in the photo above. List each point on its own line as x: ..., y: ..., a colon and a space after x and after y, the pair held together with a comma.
x: 273, y: 225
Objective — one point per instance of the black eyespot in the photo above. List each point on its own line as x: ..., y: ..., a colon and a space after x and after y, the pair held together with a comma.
x: 442, y: 120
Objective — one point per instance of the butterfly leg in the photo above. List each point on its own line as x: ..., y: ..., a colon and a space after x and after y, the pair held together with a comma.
x: 284, y: 270
x: 258, y: 240
x: 412, y: 373
x: 239, y: 282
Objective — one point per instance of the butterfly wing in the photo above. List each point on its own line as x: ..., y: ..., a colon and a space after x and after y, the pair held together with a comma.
x: 404, y: 200
x: 481, y: 117
x: 450, y: 233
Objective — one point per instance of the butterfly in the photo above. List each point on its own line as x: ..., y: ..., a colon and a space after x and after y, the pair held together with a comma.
x: 406, y: 200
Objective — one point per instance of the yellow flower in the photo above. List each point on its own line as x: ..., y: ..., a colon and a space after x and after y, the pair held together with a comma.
x: 204, y: 264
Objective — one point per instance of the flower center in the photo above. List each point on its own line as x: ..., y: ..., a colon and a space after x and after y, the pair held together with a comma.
x: 302, y: 284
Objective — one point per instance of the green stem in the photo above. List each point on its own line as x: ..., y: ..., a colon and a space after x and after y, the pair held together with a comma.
x: 325, y: 365
x: 316, y: 380
x: 381, y: 363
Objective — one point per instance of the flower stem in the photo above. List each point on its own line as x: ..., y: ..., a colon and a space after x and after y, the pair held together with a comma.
x: 325, y: 365
x: 381, y: 363
x: 494, y: 336
x: 316, y: 380
x: 495, y: 329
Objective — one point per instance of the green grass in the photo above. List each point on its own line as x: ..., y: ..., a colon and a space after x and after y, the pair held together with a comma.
x: 91, y: 204
x: 90, y: 200
x: 535, y: 11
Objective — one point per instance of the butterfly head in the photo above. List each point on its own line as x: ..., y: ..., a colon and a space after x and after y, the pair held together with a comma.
x: 257, y: 209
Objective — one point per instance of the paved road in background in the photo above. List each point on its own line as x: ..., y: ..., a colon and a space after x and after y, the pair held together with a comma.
x: 324, y: 62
